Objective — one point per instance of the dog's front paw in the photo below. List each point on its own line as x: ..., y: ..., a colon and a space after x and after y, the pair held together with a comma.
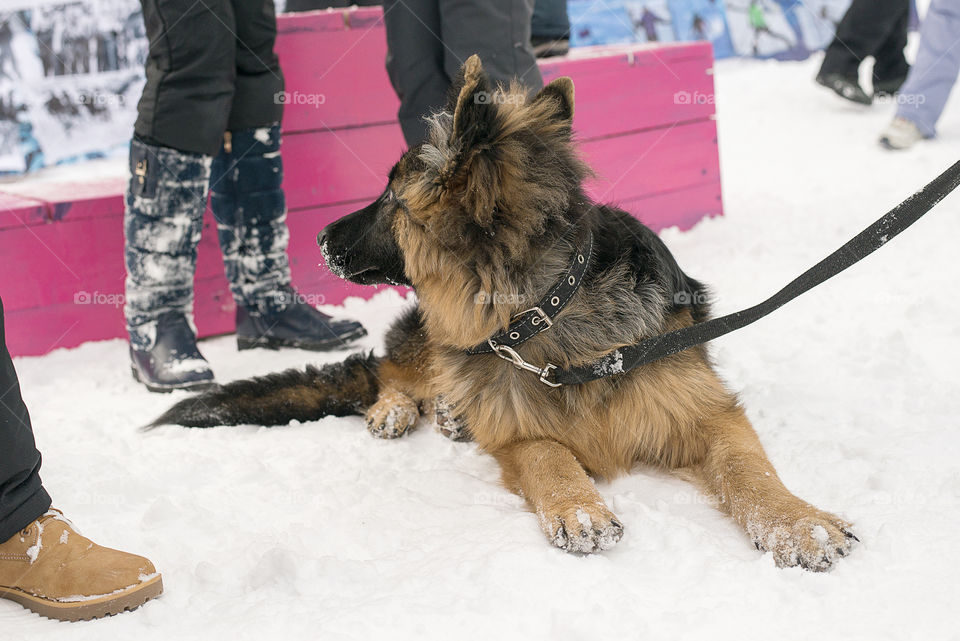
x: 814, y: 542
x: 585, y: 528
x: 392, y: 415
x: 448, y: 423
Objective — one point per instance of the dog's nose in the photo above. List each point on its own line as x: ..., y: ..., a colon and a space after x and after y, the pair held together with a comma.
x: 322, y: 237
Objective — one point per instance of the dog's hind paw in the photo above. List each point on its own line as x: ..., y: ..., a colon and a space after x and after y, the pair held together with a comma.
x: 392, y: 415
x: 814, y: 542
x: 582, y: 528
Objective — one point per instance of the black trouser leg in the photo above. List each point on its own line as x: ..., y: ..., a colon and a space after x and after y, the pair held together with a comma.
x: 496, y: 30
x: 865, y: 28
x: 890, y: 63
x: 550, y: 19
x: 428, y: 41
x: 22, y: 497
x: 256, y: 102
x: 415, y: 62
x: 191, y: 71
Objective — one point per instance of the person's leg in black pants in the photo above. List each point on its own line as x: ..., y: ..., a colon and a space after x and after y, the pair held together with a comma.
x: 46, y: 565
x: 867, y: 29
x: 22, y: 497
x: 415, y: 56
x: 550, y: 28
x: 890, y: 66
x: 496, y: 30
x: 428, y: 40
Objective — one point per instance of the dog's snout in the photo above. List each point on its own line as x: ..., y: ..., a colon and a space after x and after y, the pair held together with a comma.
x: 322, y: 237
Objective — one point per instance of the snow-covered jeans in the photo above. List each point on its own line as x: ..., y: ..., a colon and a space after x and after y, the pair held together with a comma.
x: 924, y: 94
x: 163, y: 220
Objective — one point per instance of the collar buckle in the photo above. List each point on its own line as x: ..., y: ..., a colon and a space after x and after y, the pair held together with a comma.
x: 541, y: 319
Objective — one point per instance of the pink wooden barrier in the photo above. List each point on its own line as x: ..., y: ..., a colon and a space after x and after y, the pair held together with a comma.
x: 644, y: 118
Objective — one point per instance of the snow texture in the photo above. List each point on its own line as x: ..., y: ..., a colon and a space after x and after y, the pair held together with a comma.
x: 321, y: 531
x: 610, y: 364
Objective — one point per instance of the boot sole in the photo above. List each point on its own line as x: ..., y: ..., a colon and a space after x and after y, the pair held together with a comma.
x: 823, y: 83
x: 129, y: 599
x: 244, y: 343
x: 198, y: 386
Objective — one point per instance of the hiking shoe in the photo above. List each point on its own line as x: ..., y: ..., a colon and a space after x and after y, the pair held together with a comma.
x: 51, y: 569
x: 900, y: 134
x: 297, y: 325
x: 173, y: 362
x: 845, y: 88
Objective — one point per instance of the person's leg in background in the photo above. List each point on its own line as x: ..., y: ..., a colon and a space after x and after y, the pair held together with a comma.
x: 182, y: 115
x: 496, y: 30
x: 428, y: 40
x: 924, y: 95
x: 415, y: 55
x: 550, y: 28
x: 249, y: 204
x: 890, y: 66
x: 864, y: 30
x: 42, y: 559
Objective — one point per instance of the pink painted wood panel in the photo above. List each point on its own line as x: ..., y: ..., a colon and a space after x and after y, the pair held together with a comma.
x: 339, y: 166
x: 52, y: 263
x: 18, y: 211
x: 641, y: 89
x: 38, y: 330
x: 333, y: 63
x: 650, y: 162
x: 682, y: 208
x: 353, y: 164
x: 66, y: 282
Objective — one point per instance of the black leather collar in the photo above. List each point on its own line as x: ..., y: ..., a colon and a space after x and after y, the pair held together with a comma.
x: 531, y: 322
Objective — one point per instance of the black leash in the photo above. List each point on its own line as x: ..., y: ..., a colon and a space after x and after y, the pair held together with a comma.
x: 862, y: 245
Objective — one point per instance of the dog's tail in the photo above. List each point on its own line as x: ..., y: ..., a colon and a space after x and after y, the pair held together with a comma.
x: 337, y: 389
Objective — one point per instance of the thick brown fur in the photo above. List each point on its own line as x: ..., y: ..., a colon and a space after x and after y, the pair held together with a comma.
x: 481, y: 220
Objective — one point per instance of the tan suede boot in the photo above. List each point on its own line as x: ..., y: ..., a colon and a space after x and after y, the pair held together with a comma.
x: 57, y: 573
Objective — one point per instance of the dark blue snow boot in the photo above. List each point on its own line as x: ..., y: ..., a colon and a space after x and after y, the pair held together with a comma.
x: 249, y: 206
x: 165, y: 200
x: 173, y: 362
x: 294, y: 323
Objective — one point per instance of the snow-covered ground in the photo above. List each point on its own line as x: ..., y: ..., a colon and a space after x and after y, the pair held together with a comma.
x: 320, y: 531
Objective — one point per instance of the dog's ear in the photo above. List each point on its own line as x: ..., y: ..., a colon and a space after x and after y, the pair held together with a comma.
x: 473, y: 109
x: 468, y: 176
x: 556, y: 101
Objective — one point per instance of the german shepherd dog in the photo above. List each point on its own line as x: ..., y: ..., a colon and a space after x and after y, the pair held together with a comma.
x: 481, y: 221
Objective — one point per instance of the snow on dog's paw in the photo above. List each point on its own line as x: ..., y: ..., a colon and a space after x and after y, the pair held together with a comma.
x: 582, y: 528
x: 814, y: 542
x: 448, y: 423
x: 392, y: 415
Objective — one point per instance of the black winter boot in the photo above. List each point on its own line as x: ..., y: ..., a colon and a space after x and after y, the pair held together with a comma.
x: 173, y: 362
x: 249, y: 205
x: 294, y: 324
x: 162, y: 222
